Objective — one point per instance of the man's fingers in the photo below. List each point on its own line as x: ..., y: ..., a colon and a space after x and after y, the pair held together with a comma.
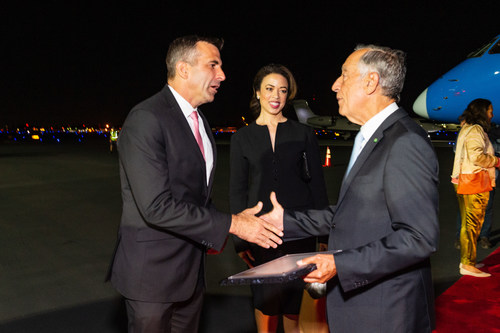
x: 306, y: 261
x: 325, y: 267
x: 253, y: 229
x: 272, y: 228
x: 275, y: 239
x: 268, y: 239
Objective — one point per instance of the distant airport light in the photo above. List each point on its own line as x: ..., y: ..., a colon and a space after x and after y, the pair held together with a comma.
x: 35, y: 137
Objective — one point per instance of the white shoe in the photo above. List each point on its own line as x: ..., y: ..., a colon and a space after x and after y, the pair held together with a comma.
x: 463, y: 271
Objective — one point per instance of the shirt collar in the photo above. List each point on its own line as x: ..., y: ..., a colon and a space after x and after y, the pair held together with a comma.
x: 371, y: 125
x: 185, y: 106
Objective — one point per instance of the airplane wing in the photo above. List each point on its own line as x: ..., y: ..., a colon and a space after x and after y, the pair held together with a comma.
x: 341, y: 124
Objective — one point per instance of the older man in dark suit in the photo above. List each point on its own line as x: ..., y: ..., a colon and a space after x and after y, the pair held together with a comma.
x: 167, y: 161
x: 385, y: 223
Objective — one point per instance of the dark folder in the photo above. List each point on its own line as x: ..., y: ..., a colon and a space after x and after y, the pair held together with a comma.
x: 279, y: 270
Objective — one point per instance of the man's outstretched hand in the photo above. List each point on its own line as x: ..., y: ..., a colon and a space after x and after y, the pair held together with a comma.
x: 247, y: 226
x: 275, y: 216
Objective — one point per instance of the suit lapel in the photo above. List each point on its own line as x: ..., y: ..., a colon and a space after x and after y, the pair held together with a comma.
x: 185, y: 130
x: 370, y: 145
x: 182, y: 121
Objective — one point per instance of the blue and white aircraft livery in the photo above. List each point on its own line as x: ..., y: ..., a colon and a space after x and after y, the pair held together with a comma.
x: 476, y: 77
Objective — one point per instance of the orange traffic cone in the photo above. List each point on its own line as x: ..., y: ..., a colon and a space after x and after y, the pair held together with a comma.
x: 327, y: 158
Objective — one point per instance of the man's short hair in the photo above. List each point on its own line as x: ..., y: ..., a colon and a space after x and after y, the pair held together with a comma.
x: 184, y: 49
x: 390, y: 64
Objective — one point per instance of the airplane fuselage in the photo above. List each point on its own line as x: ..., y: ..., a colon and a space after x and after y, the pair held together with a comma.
x: 476, y: 77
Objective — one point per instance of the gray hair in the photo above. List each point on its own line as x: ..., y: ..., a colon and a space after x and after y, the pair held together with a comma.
x: 388, y: 63
x: 184, y: 49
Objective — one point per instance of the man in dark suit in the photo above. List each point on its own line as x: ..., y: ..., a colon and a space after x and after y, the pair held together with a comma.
x: 167, y: 161
x: 384, y: 226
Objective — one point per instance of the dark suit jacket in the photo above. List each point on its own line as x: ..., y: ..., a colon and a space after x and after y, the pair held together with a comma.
x: 167, y: 219
x: 386, y: 224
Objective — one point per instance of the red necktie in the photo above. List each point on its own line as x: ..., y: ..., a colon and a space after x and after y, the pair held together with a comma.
x: 197, y: 136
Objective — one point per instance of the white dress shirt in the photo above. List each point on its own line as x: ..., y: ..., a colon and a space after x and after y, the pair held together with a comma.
x: 187, y: 109
x: 371, y: 125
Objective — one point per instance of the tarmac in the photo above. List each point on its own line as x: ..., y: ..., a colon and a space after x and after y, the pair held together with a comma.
x: 60, y: 207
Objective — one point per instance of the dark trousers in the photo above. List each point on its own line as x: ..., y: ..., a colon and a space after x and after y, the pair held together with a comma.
x: 178, y: 317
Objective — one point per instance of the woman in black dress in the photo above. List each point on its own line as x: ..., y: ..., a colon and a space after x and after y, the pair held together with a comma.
x: 281, y: 155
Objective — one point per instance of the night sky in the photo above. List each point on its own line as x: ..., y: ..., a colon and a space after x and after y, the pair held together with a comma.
x: 86, y: 62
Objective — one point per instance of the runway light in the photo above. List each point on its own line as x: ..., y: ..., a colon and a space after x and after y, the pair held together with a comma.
x: 35, y: 137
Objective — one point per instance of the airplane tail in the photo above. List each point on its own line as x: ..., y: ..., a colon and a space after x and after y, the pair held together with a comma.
x: 302, y: 110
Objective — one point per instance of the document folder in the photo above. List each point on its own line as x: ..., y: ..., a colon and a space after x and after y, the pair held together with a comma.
x: 279, y: 270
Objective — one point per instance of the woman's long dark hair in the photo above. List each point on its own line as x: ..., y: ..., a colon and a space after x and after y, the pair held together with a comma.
x: 477, y: 113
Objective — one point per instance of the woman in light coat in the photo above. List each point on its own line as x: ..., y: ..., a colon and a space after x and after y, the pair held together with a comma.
x: 474, y: 153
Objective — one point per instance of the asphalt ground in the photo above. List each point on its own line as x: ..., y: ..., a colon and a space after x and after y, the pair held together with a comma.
x: 60, y: 208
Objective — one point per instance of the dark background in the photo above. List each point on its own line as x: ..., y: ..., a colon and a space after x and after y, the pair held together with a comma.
x: 86, y: 62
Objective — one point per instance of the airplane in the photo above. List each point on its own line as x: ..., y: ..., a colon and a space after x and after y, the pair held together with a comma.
x: 306, y: 116
x: 341, y: 124
x: 478, y: 76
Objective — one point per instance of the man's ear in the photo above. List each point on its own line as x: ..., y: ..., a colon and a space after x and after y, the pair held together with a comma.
x: 182, y: 69
x: 371, y: 82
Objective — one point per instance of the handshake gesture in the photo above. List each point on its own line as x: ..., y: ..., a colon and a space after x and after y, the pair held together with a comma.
x: 265, y: 230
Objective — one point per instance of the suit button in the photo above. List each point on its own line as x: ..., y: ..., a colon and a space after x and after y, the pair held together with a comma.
x: 333, y: 226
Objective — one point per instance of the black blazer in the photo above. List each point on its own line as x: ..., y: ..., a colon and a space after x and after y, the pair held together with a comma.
x: 168, y: 220
x: 386, y: 224
x: 293, y: 170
